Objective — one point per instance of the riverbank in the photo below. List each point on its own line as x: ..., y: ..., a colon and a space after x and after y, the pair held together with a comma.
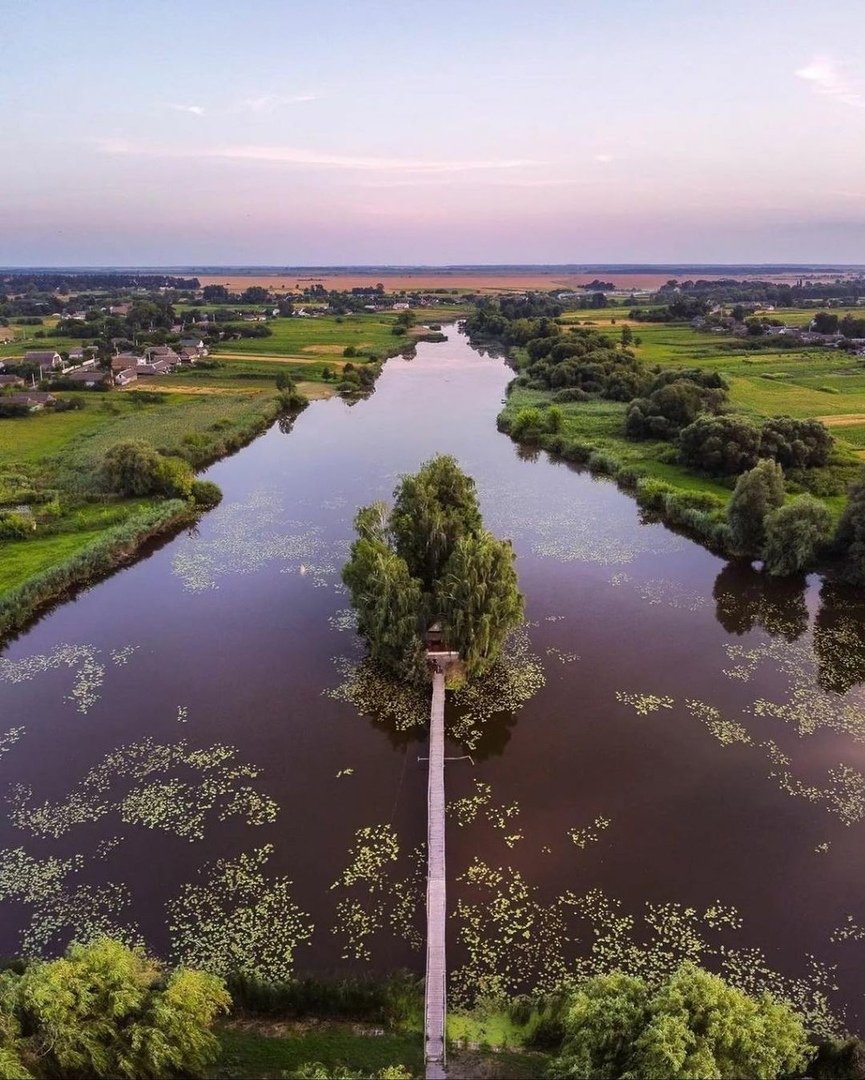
x: 676, y: 416
x: 58, y: 530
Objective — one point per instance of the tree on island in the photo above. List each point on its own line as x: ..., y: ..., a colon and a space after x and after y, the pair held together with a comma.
x: 429, y: 559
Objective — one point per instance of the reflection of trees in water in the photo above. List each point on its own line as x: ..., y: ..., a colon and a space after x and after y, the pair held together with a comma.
x: 286, y: 422
x: 839, y: 637
x: 746, y: 599
x: 527, y: 452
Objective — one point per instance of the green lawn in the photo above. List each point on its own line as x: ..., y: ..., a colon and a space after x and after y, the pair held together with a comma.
x: 248, y: 1053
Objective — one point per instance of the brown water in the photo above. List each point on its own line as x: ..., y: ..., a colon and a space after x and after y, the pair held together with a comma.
x: 236, y: 634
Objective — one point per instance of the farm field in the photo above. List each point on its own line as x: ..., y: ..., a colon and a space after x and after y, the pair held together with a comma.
x: 460, y: 280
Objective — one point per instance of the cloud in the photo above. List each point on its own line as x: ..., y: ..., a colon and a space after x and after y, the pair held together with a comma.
x: 288, y: 155
x: 267, y: 103
x: 195, y: 110
x: 603, y: 159
x: 828, y: 78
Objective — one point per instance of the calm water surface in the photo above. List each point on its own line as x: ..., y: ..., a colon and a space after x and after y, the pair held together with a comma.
x: 680, y: 751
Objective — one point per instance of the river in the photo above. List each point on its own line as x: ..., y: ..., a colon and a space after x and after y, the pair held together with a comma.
x: 181, y: 767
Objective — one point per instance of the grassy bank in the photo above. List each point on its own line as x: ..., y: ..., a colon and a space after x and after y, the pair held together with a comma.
x: 83, y: 559
x: 762, y: 381
x: 50, y: 460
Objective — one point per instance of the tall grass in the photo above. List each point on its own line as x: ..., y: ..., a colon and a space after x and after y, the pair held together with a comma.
x: 111, y: 549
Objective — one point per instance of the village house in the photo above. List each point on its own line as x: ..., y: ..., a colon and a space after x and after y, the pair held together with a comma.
x: 44, y: 359
x: 33, y: 399
x: 157, y: 367
x: 126, y: 376
x: 125, y: 360
x: 193, y: 343
x: 11, y: 380
x: 163, y: 353
x: 88, y: 377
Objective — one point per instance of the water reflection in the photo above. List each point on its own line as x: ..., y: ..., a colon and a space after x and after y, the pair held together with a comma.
x: 746, y: 599
x: 839, y: 638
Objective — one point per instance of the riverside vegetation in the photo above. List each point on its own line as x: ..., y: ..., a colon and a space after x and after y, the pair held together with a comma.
x: 64, y: 520
x: 107, y: 1010
x: 681, y: 439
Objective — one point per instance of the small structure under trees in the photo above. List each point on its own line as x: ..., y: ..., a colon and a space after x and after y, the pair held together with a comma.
x: 428, y: 562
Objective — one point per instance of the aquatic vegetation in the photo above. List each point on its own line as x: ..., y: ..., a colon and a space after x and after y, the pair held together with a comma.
x: 182, y: 714
x: 645, y: 703
x: 166, y: 802
x: 671, y: 594
x: 384, y: 897
x: 498, y: 816
x: 246, y: 536
x: 808, y: 707
x: 9, y: 738
x: 374, y: 693
x: 344, y: 620
x: 849, y: 930
x: 505, y: 688
x: 560, y: 655
x: 512, y: 939
x: 375, y: 845
x: 237, y: 921
x: 466, y: 809
x: 725, y: 731
x: 62, y: 911
x: 82, y: 659
x: 345, y: 772
x: 591, y: 833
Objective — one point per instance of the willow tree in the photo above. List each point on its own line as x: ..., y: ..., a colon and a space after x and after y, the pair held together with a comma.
x: 430, y: 559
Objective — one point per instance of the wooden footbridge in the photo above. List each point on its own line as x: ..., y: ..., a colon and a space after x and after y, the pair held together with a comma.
x: 435, y: 995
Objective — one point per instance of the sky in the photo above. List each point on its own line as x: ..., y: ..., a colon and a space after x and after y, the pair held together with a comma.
x: 349, y: 132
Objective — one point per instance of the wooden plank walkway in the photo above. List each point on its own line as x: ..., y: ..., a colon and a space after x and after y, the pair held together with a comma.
x: 435, y: 999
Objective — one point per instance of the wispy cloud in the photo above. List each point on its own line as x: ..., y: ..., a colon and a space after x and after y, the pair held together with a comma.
x: 289, y: 155
x: 195, y: 110
x: 828, y: 77
x: 267, y: 103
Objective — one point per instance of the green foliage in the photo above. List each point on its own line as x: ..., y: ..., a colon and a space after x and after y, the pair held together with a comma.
x: 794, y: 535
x: 757, y: 491
x: 388, y: 601
x: 850, y: 537
x: 432, y: 510
x: 15, y: 526
x: 720, y: 445
x: 691, y: 1025
x: 101, y: 553
x: 478, y: 599
x: 429, y: 559
x: 131, y: 467
x: 107, y: 1010
x: 206, y: 494
x: 174, y: 478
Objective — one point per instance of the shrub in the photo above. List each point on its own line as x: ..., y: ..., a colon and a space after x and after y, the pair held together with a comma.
x: 175, y: 478
x: 652, y: 493
x: 15, y: 526
x: 720, y: 445
x: 131, y: 468
x: 794, y: 534
x: 570, y: 393
x: 107, y: 1010
x: 206, y: 494
x: 757, y: 491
